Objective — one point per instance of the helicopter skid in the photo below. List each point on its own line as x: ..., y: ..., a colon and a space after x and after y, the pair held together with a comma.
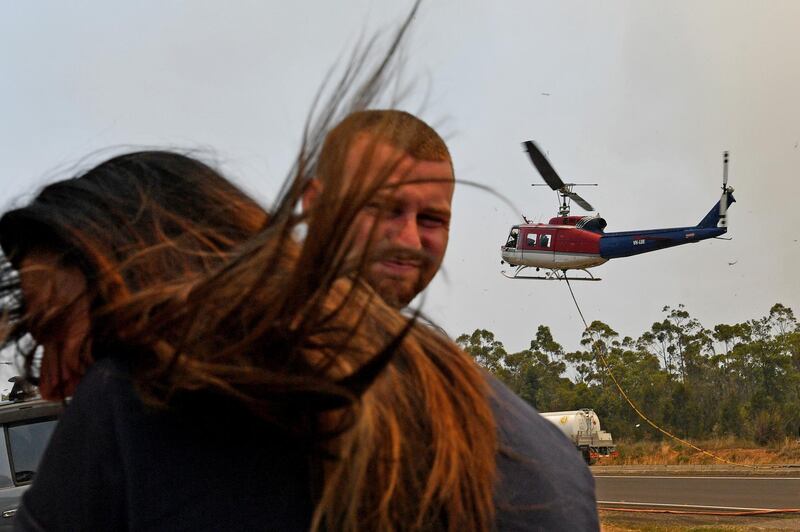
x: 552, y: 275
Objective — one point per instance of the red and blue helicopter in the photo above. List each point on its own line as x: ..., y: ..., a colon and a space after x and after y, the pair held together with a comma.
x: 579, y: 242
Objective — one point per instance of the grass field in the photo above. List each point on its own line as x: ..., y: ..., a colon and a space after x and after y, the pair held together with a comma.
x: 617, y: 522
x: 675, y: 453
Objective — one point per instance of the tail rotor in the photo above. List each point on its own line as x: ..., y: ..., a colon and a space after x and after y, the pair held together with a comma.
x: 723, y: 201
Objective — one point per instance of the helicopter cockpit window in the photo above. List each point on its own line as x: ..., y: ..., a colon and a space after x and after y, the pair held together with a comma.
x: 545, y: 241
x: 531, y: 240
x: 512, y: 238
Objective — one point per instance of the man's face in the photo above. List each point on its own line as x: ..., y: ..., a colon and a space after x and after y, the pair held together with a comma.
x: 408, y: 221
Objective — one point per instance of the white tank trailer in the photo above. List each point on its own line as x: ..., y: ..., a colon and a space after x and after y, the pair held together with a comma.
x: 582, y: 427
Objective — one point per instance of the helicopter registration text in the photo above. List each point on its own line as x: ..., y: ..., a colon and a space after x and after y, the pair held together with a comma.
x: 638, y: 242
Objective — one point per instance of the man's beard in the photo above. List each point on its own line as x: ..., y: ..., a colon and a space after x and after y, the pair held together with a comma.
x: 398, y: 291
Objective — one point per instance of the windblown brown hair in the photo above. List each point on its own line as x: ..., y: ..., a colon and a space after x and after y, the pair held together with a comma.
x: 133, y: 225
x: 397, y: 413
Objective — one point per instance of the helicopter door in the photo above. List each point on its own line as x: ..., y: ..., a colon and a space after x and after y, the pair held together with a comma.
x: 529, y: 241
x: 530, y: 249
x: 547, y: 242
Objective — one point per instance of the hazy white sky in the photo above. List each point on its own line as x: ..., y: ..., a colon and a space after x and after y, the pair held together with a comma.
x: 643, y: 98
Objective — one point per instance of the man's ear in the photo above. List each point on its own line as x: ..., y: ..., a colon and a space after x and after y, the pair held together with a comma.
x: 310, y: 195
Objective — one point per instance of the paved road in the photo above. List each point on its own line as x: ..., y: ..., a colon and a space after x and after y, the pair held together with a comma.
x: 697, y: 491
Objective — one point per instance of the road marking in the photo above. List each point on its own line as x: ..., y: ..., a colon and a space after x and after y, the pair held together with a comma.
x: 707, y: 478
x: 733, y: 508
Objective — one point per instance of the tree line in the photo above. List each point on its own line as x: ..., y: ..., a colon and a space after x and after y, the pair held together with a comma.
x: 739, y: 380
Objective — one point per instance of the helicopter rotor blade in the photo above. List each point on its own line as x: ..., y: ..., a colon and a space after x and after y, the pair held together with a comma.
x: 544, y: 167
x: 579, y: 200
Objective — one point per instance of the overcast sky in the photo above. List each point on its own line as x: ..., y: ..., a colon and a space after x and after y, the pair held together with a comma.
x: 640, y: 97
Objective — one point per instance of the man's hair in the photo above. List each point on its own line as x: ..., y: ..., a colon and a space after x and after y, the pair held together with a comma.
x: 397, y: 128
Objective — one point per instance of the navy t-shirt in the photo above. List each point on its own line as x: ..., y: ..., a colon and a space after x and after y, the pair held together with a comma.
x: 114, y: 464
x: 543, y: 482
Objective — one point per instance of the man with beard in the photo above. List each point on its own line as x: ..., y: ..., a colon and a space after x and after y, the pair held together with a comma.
x: 405, y: 218
x: 398, y: 174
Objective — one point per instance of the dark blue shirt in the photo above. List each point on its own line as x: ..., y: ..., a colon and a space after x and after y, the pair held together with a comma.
x: 543, y: 483
x: 115, y: 464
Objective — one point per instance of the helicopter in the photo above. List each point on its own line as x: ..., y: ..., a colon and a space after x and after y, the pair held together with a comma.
x: 580, y: 242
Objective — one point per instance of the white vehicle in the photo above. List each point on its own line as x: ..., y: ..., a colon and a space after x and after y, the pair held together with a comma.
x: 582, y: 427
x: 25, y: 429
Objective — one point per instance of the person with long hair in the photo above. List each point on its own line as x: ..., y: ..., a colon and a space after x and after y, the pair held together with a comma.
x: 360, y: 417
x: 282, y: 388
x: 96, y: 250
x: 142, y: 225
x: 88, y: 242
